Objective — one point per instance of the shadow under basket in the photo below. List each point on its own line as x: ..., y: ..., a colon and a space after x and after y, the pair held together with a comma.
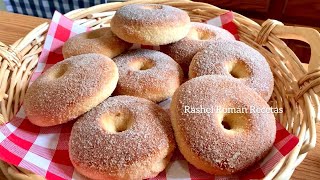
x: 295, y: 87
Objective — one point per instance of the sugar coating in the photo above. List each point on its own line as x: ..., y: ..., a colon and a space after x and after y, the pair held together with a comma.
x: 203, y: 136
x: 151, y: 14
x: 219, y: 56
x: 83, y: 82
x: 150, y: 24
x: 101, y: 41
x: 134, y: 150
x: 184, y: 50
x: 157, y: 83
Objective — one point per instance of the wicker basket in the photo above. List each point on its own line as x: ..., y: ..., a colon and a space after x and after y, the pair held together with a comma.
x: 295, y: 88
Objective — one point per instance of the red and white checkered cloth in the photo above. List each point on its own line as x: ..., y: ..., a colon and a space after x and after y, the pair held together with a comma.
x: 45, y: 150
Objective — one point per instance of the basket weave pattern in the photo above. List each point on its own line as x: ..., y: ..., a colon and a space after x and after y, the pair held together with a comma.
x: 295, y: 88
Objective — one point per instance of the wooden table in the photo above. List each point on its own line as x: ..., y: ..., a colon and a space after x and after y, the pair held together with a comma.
x: 14, y: 26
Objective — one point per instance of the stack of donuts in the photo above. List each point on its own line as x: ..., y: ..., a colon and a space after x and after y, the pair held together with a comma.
x: 111, y: 91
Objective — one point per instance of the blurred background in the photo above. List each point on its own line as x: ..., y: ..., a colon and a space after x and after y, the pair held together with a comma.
x: 305, y: 12
x: 45, y: 8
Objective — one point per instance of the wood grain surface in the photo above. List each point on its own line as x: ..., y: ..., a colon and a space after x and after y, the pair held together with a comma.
x: 14, y: 26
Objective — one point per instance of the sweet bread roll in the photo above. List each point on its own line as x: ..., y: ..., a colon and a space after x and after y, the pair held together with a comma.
x: 221, y: 126
x: 236, y: 60
x: 101, y: 41
x: 70, y: 88
x: 199, y: 37
x: 148, y: 74
x: 150, y: 24
x: 124, y: 137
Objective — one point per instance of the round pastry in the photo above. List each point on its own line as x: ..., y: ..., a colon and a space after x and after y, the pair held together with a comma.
x: 101, y: 41
x: 217, y: 124
x: 150, y: 24
x: 199, y: 37
x: 124, y: 137
x: 235, y: 59
x: 70, y: 88
x: 148, y: 74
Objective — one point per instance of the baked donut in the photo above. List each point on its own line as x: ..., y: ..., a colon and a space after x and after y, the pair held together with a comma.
x: 235, y: 59
x: 150, y: 24
x: 199, y: 37
x: 70, y: 88
x: 219, y: 136
x: 124, y: 137
x: 101, y: 41
x: 148, y: 74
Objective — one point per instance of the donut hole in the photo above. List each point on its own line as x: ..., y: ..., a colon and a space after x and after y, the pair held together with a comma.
x: 142, y: 64
x: 226, y: 125
x: 204, y: 35
x: 116, y: 122
x: 239, y: 69
x: 59, y: 72
x: 234, y: 121
x: 200, y: 34
x: 152, y: 7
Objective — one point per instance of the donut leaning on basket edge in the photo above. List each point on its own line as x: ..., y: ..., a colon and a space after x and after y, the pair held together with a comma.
x: 223, y: 72
x: 237, y: 60
x: 70, y: 88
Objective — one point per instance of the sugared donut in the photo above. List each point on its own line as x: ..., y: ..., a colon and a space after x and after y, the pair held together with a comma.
x: 150, y: 24
x: 124, y: 137
x: 235, y: 59
x: 101, y: 41
x: 148, y: 74
x: 217, y: 140
x: 199, y: 37
x: 70, y: 88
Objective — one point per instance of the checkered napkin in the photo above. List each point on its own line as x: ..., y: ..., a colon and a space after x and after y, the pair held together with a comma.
x: 45, y: 150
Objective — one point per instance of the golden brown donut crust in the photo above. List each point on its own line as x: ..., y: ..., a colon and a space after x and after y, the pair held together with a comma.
x: 150, y: 24
x: 235, y: 59
x: 140, y: 147
x: 202, y: 138
x: 148, y: 74
x: 70, y: 88
x: 199, y: 37
x: 101, y: 41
